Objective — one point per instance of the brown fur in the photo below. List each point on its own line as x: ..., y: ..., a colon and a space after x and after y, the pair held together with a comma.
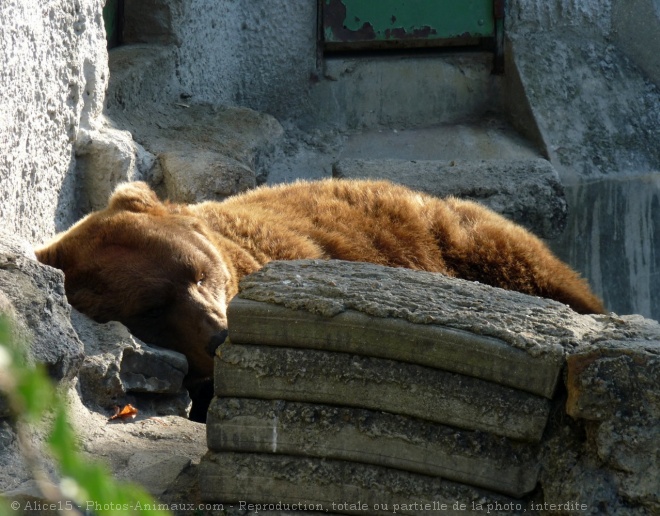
x: 167, y: 271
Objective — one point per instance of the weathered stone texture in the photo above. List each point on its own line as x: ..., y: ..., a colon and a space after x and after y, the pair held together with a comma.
x: 538, y: 326
x: 598, y: 118
x: 53, y: 71
x: 32, y: 297
x: 523, y: 16
x: 613, y: 388
x: 300, y: 389
x: 119, y: 368
x: 203, y: 152
x: 431, y: 345
x: 233, y: 477
x: 372, y: 437
x: 105, y: 158
x: 336, y: 378
x: 38, y: 304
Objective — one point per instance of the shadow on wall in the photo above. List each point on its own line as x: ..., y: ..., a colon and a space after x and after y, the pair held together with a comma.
x: 616, y: 222
x: 67, y: 210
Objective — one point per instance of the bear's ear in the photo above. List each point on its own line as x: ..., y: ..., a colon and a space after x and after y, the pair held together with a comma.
x: 135, y: 196
x: 53, y: 254
x: 49, y: 255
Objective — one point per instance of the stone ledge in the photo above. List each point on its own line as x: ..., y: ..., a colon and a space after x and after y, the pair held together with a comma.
x: 269, y: 479
x: 354, y: 434
x: 430, y: 345
x: 341, y: 379
x: 540, y: 327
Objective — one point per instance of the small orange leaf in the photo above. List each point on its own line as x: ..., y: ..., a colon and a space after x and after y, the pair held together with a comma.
x: 128, y: 412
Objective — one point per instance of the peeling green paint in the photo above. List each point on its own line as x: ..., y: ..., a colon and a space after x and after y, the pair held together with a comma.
x: 347, y: 21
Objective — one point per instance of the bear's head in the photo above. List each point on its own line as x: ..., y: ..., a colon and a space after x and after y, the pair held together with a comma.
x: 154, y: 267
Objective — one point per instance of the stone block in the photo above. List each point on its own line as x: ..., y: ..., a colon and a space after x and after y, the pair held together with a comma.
x: 153, y: 370
x: 105, y: 158
x: 203, y: 151
x: 313, y: 376
x: 540, y: 327
x: 379, y: 438
x: 196, y: 176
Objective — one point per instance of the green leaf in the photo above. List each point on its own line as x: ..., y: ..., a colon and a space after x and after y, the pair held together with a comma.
x: 87, y: 483
x: 62, y: 442
x: 35, y: 393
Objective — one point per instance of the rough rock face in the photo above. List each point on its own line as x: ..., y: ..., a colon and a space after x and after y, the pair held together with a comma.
x: 113, y: 368
x: 54, y: 71
x: 203, y: 152
x: 119, y: 368
x: 613, y: 392
x: 36, y: 293
x: 105, y: 158
x: 32, y: 296
x: 354, y: 362
x: 598, y: 118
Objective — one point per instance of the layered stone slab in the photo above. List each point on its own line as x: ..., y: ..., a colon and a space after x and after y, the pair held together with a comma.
x: 365, y: 436
x: 354, y: 382
x: 430, y: 345
x: 260, y: 481
x: 314, y: 376
x: 420, y: 317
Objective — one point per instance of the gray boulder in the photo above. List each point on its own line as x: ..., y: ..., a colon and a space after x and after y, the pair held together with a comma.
x: 105, y: 158
x: 35, y: 298
x: 119, y: 368
x: 194, y: 176
x: 614, y: 396
x: 203, y: 151
x: 32, y: 297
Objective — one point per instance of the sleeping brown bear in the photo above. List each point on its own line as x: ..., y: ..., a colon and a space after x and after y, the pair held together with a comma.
x: 167, y: 271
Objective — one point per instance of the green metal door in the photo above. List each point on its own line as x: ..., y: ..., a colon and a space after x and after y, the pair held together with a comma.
x: 354, y: 24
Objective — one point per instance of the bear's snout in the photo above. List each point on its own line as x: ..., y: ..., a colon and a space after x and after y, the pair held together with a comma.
x: 215, y: 341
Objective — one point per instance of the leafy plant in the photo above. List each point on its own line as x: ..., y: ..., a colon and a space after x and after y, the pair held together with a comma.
x: 83, y: 485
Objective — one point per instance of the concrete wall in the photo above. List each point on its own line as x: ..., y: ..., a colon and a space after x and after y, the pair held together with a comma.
x: 264, y: 55
x: 259, y: 54
x: 636, y: 28
x: 53, y: 72
x: 534, y: 15
x: 586, y: 71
